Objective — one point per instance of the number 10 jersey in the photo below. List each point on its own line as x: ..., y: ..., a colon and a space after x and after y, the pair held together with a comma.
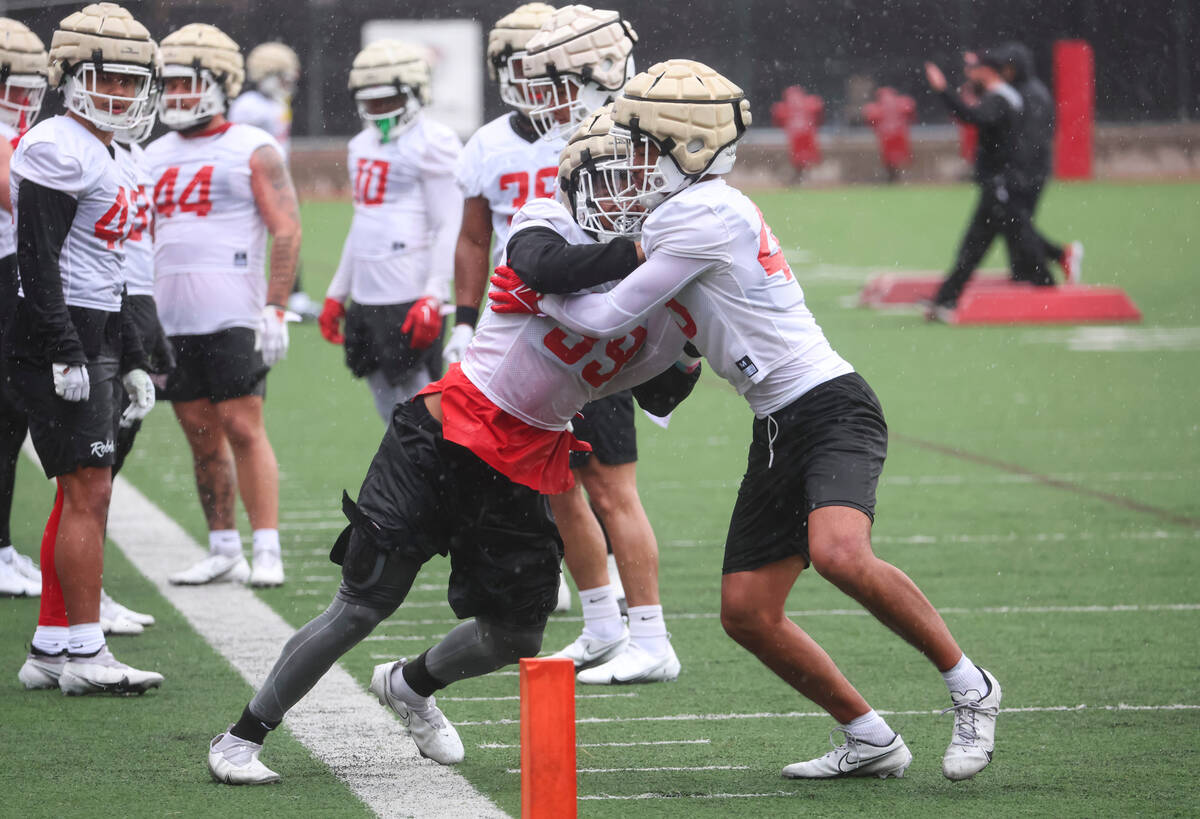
x: 210, y: 241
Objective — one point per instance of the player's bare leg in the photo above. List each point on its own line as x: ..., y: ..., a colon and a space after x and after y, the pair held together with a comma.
x: 258, y: 480
x: 79, y: 545
x: 604, y: 635
x: 216, y: 484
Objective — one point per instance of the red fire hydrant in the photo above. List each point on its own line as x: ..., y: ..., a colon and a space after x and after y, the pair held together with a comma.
x: 798, y: 114
x: 891, y: 115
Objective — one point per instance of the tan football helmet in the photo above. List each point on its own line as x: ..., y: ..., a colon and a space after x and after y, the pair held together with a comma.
x: 24, y: 66
x: 274, y: 69
x: 506, y: 47
x: 102, y: 37
x: 388, y: 69
x: 212, y: 61
x: 578, y: 61
x: 592, y: 171
x: 679, y: 121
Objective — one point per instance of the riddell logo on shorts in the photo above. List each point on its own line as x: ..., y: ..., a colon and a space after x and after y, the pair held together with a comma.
x: 101, y: 448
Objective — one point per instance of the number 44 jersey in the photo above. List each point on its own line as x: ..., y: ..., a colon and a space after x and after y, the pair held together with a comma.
x: 538, y: 371
x: 210, y: 241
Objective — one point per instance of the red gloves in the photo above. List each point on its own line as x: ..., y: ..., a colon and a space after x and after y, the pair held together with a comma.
x: 330, y: 321
x: 424, y: 322
x: 513, y: 295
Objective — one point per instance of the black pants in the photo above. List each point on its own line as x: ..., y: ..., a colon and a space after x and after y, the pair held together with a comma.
x: 12, y: 420
x: 1050, y: 249
x: 1005, y: 211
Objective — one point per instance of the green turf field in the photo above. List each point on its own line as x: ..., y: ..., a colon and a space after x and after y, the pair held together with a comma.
x: 1044, y: 496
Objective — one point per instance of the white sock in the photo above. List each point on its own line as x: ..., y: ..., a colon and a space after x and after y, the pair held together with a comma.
x: 964, y: 677
x: 648, y: 629
x: 7, y: 553
x: 601, y: 615
x: 400, y: 688
x: 870, y: 728
x: 266, y: 541
x: 224, y: 542
x: 50, y: 639
x: 85, y: 638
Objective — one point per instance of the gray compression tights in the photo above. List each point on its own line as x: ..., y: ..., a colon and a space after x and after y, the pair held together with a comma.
x: 387, y: 395
x: 471, y: 648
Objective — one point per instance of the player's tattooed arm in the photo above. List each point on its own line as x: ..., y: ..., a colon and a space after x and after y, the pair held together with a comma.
x: 275, y: 197
x: 471, y: 258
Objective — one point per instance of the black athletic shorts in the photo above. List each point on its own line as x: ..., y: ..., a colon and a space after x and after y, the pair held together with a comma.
x: 374, y: 341
x: 69, y: 434
x: 159, y: 352
x: 607, y: 424
x: 217, y: 366
x: 424, y: 495
x: 826, y: 448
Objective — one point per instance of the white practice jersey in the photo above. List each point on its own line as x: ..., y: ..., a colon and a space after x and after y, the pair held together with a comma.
x: 507, y: 170
x: 210, y: 241
x: 710, y: 253
x: 139, y: 247
x: 60, y: 154
x: 542, y: 373
x: 8, y: 228
x: 407, y: 213
x: 255, y: 108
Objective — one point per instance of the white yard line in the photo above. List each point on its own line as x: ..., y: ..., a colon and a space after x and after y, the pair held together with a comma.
x: 937, y: 712
x: 338, y: 721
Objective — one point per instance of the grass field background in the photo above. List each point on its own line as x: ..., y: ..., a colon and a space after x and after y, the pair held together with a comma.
x: 1071, y: 490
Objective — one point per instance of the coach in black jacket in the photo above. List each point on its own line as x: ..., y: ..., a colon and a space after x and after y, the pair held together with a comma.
x: 1002, y: 173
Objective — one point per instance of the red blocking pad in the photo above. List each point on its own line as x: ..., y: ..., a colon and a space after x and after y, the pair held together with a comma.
x: 1026, y: 304
x: 548, y: 786
x: 889, y: 289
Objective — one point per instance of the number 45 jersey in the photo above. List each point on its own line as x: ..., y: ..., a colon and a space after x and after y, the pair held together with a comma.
x: 538, y: 371
x: 507, y: 170
x: 210, y: 242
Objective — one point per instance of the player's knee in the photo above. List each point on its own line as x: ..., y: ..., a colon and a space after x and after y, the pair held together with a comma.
x: 839, y: 557
x: 743, y: 620
x: 357, y: 621
x: 508, y: 643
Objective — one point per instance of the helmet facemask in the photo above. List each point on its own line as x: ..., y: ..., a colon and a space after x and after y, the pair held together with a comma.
x: 601, y: 199
x: 279, y: 87
x: 514, y: 88
x: 21, y: 100
x: 108, y: 112
x: 204, y: 88
x: 561, y: 102
x: 394, y: 120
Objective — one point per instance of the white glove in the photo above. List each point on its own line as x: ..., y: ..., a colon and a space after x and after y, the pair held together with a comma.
x: 71, y: 382
x: 272, y: 335
x: 141, y: 397
x: 456, y: 347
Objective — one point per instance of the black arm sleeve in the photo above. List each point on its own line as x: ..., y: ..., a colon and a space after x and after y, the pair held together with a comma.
x: 44, y: 219
x: 664, y: 392
x: 991, y: 109
x: 549, y: 264
x: 133, y: 356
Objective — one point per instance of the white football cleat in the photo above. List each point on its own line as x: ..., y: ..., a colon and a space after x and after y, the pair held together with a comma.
x: 564, y: 595
x: 618, y: 589
x: 1072, y: 262
x: 855, y: 758
x: 117, y: 610
x: 102, y: 672
x: 633, y: 665
x: 974, y: 738
x: 436, y: 738
x: 214, y: 569
x: 26, y: 567
x: 267, y: 571
x: 587, y: 651
x: 234, y: 761
x: 41, y: 670
x: 13, y: 583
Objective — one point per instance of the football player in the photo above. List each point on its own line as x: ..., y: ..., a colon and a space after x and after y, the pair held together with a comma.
x: 462, y: 469
x: 398, y: 258
x: 272, y: 71
x: 220, y: 189
x: 71, y: 342
x: 23, y: 67
x: 819, y: 438
x: 578, y: 60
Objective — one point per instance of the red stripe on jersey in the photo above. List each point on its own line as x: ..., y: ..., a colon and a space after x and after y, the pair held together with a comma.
x: 207, y: 132
x: 537, y: 458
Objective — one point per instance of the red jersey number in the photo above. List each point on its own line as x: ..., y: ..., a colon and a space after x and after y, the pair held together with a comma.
x: 770, y: 254
x: 141, y: 213
x: 370, y: 181
x: 196, y: 197
x: 617, y: 353
x: 517, y: 185
x: 111, y: 226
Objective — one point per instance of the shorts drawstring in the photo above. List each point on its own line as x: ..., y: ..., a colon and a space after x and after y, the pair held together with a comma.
x: 772, y: 434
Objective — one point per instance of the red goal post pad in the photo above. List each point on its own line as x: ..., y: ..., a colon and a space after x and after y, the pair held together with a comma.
x: 1027, y: 304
